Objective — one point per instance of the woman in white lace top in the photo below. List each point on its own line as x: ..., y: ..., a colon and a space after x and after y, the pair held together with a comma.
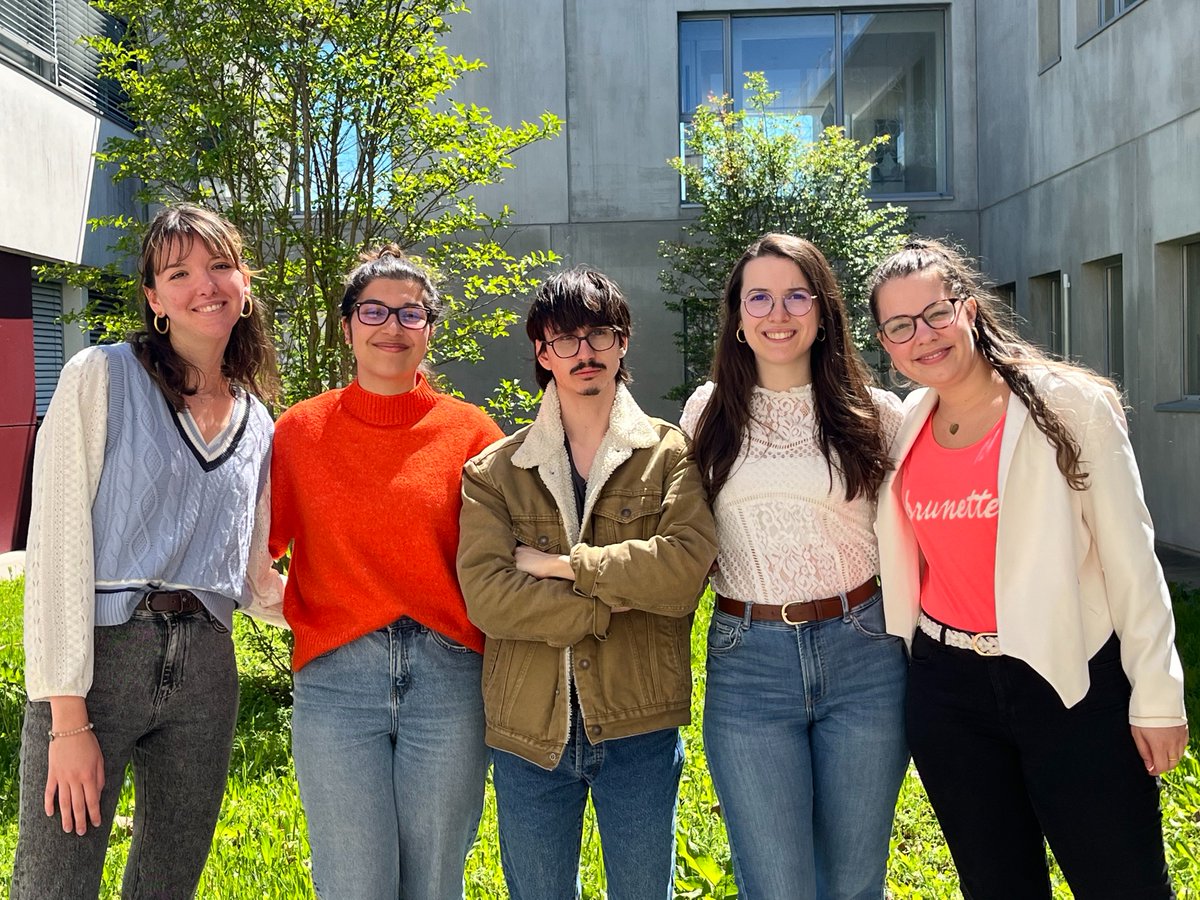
x: 803, y: 717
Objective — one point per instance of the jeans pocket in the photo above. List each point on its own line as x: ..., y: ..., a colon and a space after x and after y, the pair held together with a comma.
x: 217, y: 625
x: 448, y: 644
x: 867, y: 619
x: 723, y: 636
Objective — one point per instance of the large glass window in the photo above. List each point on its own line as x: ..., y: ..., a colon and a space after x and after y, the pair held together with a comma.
x: 877, y: 73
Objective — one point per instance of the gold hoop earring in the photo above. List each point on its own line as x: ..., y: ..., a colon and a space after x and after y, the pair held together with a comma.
x: 740, y: 335
x: 821, y: 332
x: 247, y: 308
x: 161, y: 329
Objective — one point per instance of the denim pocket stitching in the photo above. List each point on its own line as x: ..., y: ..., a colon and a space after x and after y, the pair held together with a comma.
x: 862, y: 629
x: 732, y: 632
x: 448, y: 644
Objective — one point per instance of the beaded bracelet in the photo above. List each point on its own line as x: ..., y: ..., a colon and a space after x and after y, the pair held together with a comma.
x: 54, y: 735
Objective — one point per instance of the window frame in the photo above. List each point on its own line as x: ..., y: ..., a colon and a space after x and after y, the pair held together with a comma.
x: 943, y: 192
x: 1190, y: 329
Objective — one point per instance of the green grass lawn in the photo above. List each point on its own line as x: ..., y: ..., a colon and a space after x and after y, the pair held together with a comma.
x: 261, y: 848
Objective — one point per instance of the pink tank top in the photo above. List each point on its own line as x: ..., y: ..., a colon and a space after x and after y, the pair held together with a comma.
x: 952, y: 500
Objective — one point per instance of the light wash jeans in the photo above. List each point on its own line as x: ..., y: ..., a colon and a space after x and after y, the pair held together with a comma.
x: 634, y: 782
x: 804, y: 732
x: 164, y: 695
x: 387, y: 735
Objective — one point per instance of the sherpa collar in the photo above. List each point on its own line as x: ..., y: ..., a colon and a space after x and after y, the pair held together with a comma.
x: 545, y: 449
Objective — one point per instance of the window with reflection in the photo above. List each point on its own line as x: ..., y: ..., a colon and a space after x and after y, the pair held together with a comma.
x: 874, y: 73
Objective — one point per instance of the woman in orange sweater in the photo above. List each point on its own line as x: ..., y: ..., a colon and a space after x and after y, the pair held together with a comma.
x: 387, y: 727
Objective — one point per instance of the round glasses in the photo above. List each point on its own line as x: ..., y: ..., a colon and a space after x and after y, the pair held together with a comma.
x: 567, y: 345
x: 939, y: 314
x: 371, y: 312
x: 760, y: 303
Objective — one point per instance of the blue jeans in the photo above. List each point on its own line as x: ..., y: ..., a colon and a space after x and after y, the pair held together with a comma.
x: 164, y: 697
x: 634, y: 783
x: 387, y: 735
x: 804, y: 731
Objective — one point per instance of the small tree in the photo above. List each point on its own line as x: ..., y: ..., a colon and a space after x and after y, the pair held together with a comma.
x: 319, y: 127
x: 751, y: 172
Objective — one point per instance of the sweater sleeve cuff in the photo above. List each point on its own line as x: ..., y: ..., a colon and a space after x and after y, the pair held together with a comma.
x: 1157, y: 721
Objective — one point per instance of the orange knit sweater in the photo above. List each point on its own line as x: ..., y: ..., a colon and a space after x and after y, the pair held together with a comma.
x: 367, y: 490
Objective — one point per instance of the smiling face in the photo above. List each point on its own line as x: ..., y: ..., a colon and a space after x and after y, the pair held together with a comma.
x: 937, y: 358
x: 782, y: 342
x: 388, y: 355
x: 201, y: 291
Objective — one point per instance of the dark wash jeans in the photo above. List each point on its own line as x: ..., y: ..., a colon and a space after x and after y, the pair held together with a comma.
x: 1008, y: 768
x: 164, y: 696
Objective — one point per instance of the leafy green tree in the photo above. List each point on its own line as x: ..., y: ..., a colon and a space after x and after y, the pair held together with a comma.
x: 752, y: 171
x: 319, y: 127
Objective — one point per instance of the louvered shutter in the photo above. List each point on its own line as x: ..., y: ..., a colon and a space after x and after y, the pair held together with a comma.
x: 47, y: 341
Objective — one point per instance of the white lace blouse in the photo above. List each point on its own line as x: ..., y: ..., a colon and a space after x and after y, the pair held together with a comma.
x: 785, y: 531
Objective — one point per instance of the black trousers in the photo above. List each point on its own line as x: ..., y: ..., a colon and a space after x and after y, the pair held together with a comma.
x: 1008, y: 768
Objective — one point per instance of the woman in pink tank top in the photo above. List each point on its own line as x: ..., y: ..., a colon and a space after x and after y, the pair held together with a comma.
x: 1045, y: 696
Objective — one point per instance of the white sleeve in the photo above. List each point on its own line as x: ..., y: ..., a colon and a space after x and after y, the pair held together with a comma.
x: 60, y: 598
x: 264, y: 584
x: 694, y: 408
x: 1138, y: 600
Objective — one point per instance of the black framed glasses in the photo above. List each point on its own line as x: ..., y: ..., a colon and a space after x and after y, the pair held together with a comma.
x: 939, y: 314
x: 372, y: 312
x: 760, y: 303
x: 567, y: 345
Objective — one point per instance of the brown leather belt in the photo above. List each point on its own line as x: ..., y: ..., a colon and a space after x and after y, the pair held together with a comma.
x: 182, y: 602
x: 798, y: 612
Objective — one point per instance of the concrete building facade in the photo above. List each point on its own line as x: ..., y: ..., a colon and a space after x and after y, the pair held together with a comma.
x: 1067, y: 163
x: 1054, y: 138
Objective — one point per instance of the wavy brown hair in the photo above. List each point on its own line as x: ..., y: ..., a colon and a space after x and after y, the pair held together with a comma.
x: 849, y: 429
x: 249, y: 359
x: 996, y: 339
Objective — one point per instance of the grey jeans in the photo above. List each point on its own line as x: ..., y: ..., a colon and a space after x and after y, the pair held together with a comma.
x: 164, y: 696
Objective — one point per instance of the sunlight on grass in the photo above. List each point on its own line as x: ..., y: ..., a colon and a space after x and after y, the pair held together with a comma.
x: 260, y: 848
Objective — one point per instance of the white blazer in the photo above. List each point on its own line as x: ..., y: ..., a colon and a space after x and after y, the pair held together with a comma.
x: 1072, y: 566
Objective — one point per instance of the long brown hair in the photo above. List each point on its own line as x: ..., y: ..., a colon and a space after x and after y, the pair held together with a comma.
x: 249, y: 358
x: 996, y: 339
x: 848, y: 426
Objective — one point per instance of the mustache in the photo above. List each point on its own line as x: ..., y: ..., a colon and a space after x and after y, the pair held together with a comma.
x: 587, y: 364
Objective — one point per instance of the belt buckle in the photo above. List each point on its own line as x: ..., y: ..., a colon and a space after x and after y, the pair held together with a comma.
x: 783, y: 613
x: 154, y: 595
x: 986, y: 643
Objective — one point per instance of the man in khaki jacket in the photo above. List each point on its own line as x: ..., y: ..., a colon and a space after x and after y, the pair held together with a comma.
x: 586, y: 540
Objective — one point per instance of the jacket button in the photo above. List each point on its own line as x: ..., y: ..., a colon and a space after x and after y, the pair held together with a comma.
x: 595, y: 729
x: 585, y: 664
x: 626, y: 513
x: 553, y: 757
x: 543, y: 540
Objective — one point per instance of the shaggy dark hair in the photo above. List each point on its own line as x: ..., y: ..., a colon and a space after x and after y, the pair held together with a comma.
x: 849, y: 429
x: 572, y: 299
x: 250, y: 354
